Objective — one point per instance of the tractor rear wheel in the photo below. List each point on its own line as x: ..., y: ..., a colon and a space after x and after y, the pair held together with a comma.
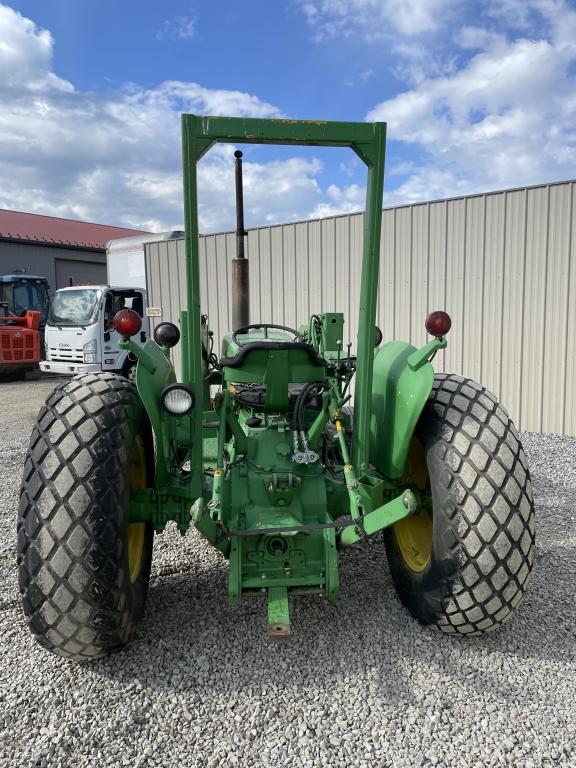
x: 83, y: 569
x: 463, y: 561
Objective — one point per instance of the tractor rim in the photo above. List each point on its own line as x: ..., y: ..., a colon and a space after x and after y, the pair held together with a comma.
x: 414, y: 533
x: 136, y: 531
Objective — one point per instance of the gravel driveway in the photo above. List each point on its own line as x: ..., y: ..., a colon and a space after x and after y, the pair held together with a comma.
x: 360, y: 684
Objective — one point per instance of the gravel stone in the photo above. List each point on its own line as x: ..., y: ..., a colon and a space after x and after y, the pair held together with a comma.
x: 360, y: 683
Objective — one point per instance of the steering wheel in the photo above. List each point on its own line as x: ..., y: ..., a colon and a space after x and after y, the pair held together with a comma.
x: 265, y: 327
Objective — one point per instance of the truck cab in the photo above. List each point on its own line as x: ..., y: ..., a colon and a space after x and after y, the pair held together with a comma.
x: 80, y: 336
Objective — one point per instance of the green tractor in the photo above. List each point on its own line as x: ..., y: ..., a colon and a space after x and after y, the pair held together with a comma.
x: 259, y: 450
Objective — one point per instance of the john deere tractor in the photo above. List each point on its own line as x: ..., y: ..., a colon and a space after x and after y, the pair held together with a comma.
x: 264, y: 451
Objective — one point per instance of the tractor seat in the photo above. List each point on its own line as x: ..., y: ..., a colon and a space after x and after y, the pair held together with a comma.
x: 272, y: 346
x: 275, y: 364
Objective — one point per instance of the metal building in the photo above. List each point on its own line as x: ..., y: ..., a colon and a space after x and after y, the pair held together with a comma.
x: 65, y: 251
x: 503, y: 264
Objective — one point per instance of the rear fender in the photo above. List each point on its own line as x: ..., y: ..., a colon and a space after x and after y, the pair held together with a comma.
x: 401, y: 384
x: 153, y: 374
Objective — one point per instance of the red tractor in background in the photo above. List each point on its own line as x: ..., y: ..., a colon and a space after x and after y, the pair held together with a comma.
x: 23, y: 308
x: 19, y: 341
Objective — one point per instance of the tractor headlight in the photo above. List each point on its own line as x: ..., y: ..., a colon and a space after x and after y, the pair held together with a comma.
x: 177, y: 399
x: 90, y: 349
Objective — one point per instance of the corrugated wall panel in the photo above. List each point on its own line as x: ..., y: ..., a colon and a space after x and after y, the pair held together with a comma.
x: 437, y: 264
x: 356, y: 240
x: 328, y: 247
x: 473, y: 286
x: 403, y: 272
x: 253, y: 254
x: 553, y: 385
x: 203, y: 273
x: 290, y: 276
x: 213, y: 308
x: 513, y: 300
x: 314, y: 266
x: 502, y: 264
x: 342, y: 260
x: 222, y: 284
x: 455, y: 271
x: 277, y: 284
x: 302, y: 268
x: 419, y: 273
x: 491, y: 329
x: 387, y: 313
x: 569, y: 404
x: 269, y: 307
x: 535, y: 265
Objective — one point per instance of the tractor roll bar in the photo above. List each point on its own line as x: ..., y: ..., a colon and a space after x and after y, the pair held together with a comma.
x: 368, y: 140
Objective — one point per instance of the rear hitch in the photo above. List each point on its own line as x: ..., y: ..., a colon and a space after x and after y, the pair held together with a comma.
x: 278, y: 614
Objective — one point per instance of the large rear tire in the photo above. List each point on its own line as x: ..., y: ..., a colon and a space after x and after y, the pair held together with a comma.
x: 463, y: 561
x: 83, y: 569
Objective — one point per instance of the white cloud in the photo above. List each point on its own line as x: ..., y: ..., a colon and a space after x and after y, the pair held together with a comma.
x: 479, y: 38
x: 26, y: 55
x: 505, y: 118
x: 340, y: 200
x: 430, y: 183
x: 375, y: 19
x: 178, y: 28
x: 514, y: 14
x: 361, y: 78
x: 276, y: 191
x: 414, y: 62
x: 403, y: 168
x: 115, y: 157
x: 407, y: 29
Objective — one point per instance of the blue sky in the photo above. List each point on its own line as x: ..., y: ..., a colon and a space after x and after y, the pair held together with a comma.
x: 477, y: 95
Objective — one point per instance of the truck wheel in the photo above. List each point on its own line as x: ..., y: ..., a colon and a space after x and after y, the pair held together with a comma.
x: 83, y: 569
x: 463, y: 561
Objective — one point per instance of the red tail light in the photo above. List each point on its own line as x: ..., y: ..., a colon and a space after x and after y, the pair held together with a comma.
x: 127, y: 322
x: 438, y: 324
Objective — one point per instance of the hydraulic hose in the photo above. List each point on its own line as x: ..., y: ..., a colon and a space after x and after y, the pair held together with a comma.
x: 303, y: 396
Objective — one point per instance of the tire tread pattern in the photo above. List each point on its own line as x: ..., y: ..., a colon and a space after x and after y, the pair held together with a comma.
x: 71, y: 529
x: 485, y: 492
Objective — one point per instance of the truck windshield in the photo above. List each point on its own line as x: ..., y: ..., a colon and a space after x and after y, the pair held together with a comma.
x: 77, y: 308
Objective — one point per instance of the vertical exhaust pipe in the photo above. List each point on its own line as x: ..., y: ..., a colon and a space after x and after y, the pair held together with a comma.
x: 240, y: 273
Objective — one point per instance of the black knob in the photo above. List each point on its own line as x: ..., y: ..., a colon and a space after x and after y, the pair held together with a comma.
x: 166, y: 335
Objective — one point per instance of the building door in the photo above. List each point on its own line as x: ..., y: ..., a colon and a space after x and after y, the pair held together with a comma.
x: 72, y: 272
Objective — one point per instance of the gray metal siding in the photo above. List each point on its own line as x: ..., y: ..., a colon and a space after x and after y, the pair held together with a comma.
x: 502, y: 264
x: 39, y: 259
x: 79, y: 272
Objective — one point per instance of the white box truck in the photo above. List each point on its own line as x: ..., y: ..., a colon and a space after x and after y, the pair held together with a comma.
x: 80, y: 336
